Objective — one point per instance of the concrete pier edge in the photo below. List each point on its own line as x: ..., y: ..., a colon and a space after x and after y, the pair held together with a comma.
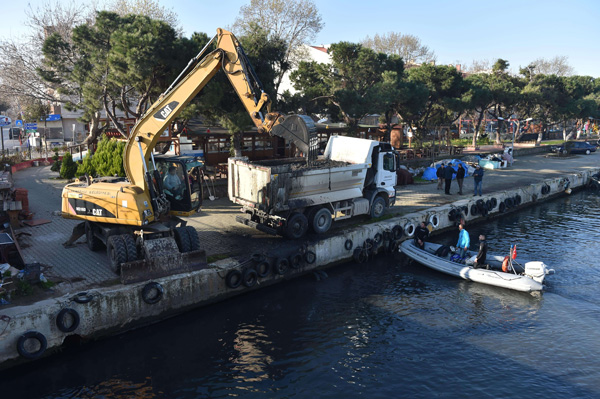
x: 116, y: 309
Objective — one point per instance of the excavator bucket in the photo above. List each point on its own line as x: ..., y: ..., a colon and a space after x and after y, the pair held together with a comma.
x: 161, y: 258
x: 301, y: 130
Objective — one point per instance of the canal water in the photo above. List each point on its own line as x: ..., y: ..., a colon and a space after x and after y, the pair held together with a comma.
x: 387, y: 329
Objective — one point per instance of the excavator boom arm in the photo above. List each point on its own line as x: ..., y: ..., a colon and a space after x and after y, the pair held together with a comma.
x: 230, y: 56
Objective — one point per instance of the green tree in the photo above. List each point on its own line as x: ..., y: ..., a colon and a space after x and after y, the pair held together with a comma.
x: 444, y: 100
x: 68, y: 167
x: 117, y: 63
x: 347, y: 87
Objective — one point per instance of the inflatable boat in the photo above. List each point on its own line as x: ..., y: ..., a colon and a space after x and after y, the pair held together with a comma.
x: 524, y: 276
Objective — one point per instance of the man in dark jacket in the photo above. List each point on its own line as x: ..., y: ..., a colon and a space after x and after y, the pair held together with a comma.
x: 421, y: 233
x: 448, y: 173
x: 482, y: 254
x: 477, y: 180
x: 440, y: 175
x: 460, y: 176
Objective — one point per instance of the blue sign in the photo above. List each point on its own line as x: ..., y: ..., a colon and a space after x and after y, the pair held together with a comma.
x: 5, y: 121
x: 53, y: 117
x: 31, y: 126
x: 19, y: 123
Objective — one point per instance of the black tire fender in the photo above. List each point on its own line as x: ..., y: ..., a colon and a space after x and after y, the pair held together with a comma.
x: 281, y: 266
x: 474, y: 210
x: 502, y: 207
x: 82, y: 297
x: 35, y: 335
x: 60, y: 320
x: 263, y: 268
x: 359, y: 255
x: 348, y: 244
x: 249, y: 277
x: 517, y: 199
x: 494, y: 202
x: 295, y: 261
x: 397, y: 232
x: 233, y: 278
x: 488, y: 205
x: 152, y: 286
x: 310, y: 257
x: 377, y: 238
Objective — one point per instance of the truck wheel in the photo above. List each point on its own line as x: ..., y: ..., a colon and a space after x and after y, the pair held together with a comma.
x: 93, y: 242
x: 378, y: 207
x: 194, y: 239
x: 321, y: 221
x: 182, y: 238
x: 117, y: 253
x: 130, y: 247
x: 296, y: 227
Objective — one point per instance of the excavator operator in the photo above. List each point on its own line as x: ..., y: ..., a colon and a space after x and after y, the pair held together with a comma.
x: 173, y: 183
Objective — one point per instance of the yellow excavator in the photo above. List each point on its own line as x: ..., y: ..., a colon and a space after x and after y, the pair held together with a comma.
x: 137, y: 217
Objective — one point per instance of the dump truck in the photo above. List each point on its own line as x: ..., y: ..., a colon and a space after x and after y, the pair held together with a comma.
x: 290, y: 196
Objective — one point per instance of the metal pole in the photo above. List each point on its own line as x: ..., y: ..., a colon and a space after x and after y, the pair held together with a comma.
x: 2, y: 132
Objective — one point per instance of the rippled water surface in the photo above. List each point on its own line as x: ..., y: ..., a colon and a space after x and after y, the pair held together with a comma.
x: 387, y: 329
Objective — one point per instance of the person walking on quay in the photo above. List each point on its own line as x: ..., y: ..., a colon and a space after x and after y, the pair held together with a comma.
x: 477, y: 180
x: 464, y: 241
x: 440, y: 175
x: 448, y: 173
x: 460, y: 176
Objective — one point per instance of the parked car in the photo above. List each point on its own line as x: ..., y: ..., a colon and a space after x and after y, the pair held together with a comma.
x: 575, y: 147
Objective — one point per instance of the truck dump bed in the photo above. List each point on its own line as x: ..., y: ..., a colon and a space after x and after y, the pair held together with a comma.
x: 280, y: 185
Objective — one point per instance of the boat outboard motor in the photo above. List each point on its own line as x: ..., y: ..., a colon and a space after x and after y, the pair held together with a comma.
x: 537, y: 270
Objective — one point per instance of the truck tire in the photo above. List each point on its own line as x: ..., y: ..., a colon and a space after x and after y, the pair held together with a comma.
x: 296, y: 227
x: 93, y: 242
x: 194, y: 239
x: 321, y: 221
x: 117, y: 253
x: 378, y: 207
x: 182, y: 238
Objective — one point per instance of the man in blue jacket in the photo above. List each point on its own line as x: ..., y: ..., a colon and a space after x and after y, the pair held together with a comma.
x: 477, y: 179
x: 464, y: 241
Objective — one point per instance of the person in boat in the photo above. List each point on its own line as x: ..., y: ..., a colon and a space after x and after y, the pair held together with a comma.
x: 421, y: 234
x: 464, y: 241
x: 482, y: 254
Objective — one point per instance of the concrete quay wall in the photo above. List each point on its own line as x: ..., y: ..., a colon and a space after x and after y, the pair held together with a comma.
x: 112, y: 310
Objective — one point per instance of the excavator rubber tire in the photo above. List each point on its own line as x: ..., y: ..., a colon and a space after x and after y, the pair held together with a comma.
x: 117, y: 253
x: 93, y: 242
x: 193, y: 237
x: 182, y: 238
x: 130, y: 247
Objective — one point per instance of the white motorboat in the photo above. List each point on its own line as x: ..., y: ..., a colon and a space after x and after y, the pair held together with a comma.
x: 526, y: 277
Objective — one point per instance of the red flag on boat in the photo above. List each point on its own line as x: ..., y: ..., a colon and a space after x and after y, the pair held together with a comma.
x: 514, y: 254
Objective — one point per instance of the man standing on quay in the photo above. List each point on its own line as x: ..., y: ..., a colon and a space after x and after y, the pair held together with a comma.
x: 448, y: 173
x: 477, y: 180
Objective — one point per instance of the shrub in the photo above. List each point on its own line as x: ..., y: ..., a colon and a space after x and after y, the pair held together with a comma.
x: 87, y: 166
x: 108, y: 158
x: 68, y: 167
x: 56, y: 164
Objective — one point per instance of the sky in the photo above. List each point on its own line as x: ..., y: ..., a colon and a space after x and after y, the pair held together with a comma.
x: 458, y: 31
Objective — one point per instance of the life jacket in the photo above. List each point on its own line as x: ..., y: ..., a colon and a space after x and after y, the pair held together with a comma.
x: 505, y: 264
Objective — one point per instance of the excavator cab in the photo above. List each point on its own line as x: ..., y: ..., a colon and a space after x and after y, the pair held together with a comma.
x: 181, y: 180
